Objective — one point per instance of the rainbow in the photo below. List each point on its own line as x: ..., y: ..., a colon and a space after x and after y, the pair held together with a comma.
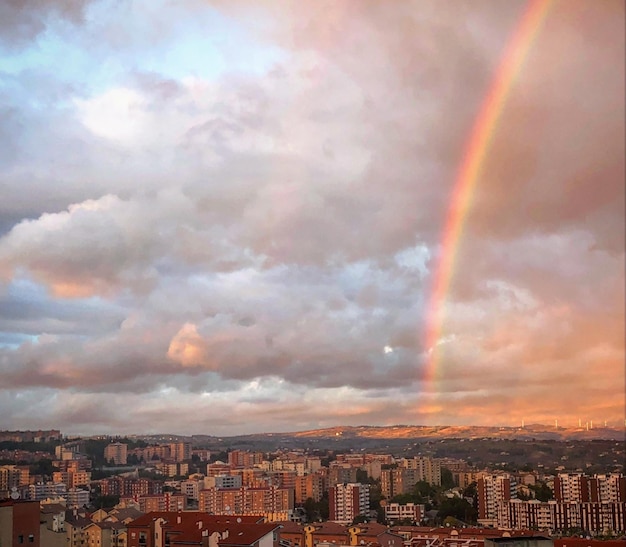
x: 475, y: 153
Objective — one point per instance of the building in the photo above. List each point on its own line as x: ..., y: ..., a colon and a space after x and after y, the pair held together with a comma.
x: 9, y: 480
x: 309, y: 486
x: 348, y: 501
x: 128, y: 486
x: 19, y: 523
x: 224, y: 481
x: 76, y: 497
x: 104, y: 534
x: 72, y: 479
x: 147, y: 503
x: 241, y: 458
x: 332, y: 534
x: 199, y: 529
x: 493, y: 493
x: 116, y: 452
x: 341, y: 473
x: 423, y: 469
x: 191, y: 489
x: 395, y: 512
x: 246, y: 501
x: 395, y: 481
x: 180, y: 452
x: 44, y: 490
x: 172, y: 468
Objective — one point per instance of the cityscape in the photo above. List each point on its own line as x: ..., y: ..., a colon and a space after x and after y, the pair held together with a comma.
x: 310, y: 490
x: 312, y: 273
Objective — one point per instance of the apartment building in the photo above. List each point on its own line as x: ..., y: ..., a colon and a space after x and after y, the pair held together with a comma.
x: 116, y: 452
x: 126, y: 486
x: 217, y: 468
x: 493, y: 492
x: 44, y: 490
x: 72, y: 479
x: 577, y: 487
x: 156, y: 502
x: 104, y: 534
x: 191, y: 489
x: 246, y: 501
x: 180, y: 452
x: 394, y: 482
x: 242, y: 458
x: 172, y: 468
x: 76, y: 497
x: 395, y: 512
x: 554, y: 516
x: 19, y: 523
x: 309, y: 486
x: 348, y: 501
x: 341, y: 473
x: 423, y: 469
x: 10, y: 477
x: 224, y: 481
x: 607, y: 487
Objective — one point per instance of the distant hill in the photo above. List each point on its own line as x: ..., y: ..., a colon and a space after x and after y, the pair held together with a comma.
x: 532, y: 431
x: 410, y: 432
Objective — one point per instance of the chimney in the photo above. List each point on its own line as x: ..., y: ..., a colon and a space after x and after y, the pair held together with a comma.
x: 354, y: 533
x: 308, y: 536
x: 199, y: 525
x: 179, y: 519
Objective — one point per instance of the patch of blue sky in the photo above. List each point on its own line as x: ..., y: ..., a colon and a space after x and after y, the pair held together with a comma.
x: 13, y: 340
x: 26, y: 299
x: 118, y: 39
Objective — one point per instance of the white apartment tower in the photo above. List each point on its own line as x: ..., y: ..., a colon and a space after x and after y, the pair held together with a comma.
x: 347, y: 501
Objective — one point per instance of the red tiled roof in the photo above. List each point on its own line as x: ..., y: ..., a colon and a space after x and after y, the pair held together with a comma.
x: 188, y: 526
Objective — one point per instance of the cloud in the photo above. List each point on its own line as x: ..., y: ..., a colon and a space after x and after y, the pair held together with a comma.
x: 23, y: 20
x: 260, y: 239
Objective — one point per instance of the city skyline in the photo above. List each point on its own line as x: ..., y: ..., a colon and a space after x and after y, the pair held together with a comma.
x: 237, y: 217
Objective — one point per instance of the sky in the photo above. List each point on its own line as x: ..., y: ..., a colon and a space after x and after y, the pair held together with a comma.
x: 229, y: 216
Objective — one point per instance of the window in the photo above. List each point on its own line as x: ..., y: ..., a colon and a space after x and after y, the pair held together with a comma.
x: 20, y: 539
x: 31, y: 538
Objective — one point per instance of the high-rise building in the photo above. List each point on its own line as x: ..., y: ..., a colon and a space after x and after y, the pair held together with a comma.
x: 309, y: 486
x: 423, y: 469
x: 348, y: 501
x: 493, y: 493
x: 395, y: 481
x: 341, y: 473
x: 10, y: 476
x: 117, y: 452
x: 180, y: 452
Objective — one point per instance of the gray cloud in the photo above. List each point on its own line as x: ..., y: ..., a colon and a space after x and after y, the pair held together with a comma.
x: 264, y: 243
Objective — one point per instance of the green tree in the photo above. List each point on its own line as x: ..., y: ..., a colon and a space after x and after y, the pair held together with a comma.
x: 458, y: 508
x: 447, y: 479
x: 542, y: 491
x: 310, y: 510
x: 361, y: 476
x: 43, y: 467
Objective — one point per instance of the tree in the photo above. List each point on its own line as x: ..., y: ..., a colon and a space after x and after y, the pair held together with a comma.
x: 542, y: 491
x: 459, y: 508
x: 43, y: 467
x: 447, y: 479
x: 310, y: 510
x: 361, y: 476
